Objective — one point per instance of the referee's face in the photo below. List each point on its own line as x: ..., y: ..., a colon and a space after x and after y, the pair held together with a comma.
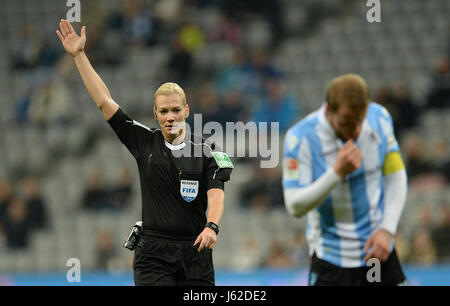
x: 171, y: 113
x: 346, y: 122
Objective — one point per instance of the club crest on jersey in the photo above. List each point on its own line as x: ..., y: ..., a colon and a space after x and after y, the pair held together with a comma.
x: 290, y: 170
x: 189, y: 190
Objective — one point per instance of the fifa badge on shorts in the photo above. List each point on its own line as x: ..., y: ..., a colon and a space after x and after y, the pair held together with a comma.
x: 189, y: 190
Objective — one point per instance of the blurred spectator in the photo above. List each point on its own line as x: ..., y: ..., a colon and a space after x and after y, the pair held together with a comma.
x: 50, y: 54
x: 264, y: 191
x: 6, y: 197
x: 268, y: 11
x: 122, y: 191
x: 37, y: 211
x: 169, y: 11
x: 105, y: 45
x: 232, y: 107
x: 138, y: 27
x: 40, y: 79
x: 105, y: 250
x: 257, y: 32
x: 47, y: 102
x: 262, y: 69
x: 52, y: 104
x: 260, y: 202
x: 403, y: 110
x: 416, y: 162
x: 225, y: 29
x: 440, y: 161
x: 273, y: 13
x: 441, y: 235
x: 315, y: 12
x: 23, y: 105
x: 208, y: 106
x: 422, y: 171
x: 425, y: 217
x: 277, y: 105
x: 247, y: 256
x: 190, y: 36
x: 31, y: 51
x: 383, y: 96
x: 423, y: 250
x: 16, y: 226
x: 277, y: 256
x: 246, y: 75
x: 180, y: 64
x: 96, y: 195
x: 439, y: 95
x: 236, y: 75
x: 27, y: 52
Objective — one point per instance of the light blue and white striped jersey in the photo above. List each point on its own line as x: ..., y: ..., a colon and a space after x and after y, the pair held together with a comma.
x: 339, y: 227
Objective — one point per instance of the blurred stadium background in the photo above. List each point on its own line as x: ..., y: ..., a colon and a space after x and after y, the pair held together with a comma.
x: 69, y: 189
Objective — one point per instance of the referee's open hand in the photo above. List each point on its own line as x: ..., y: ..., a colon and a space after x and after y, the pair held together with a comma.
x: 72, y: 42
x: 207, y: 239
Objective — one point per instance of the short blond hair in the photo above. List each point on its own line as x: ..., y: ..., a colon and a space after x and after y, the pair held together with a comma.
x: 349, y: 90
x: 169, y: 88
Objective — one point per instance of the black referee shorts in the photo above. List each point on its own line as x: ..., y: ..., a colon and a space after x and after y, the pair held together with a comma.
x: 322, y: 273
x: 161, y: 262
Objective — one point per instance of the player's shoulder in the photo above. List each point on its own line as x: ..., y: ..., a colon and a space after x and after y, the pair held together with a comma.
x: 142, y: 127
x: 301, y: 131
x: 378, y: 111
x: 378, y: 116
x: 212, y: 152
x: 380, y: 120
x: 305, y: 126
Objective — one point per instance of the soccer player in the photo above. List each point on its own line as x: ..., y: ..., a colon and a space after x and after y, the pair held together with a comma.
x: 342, y: 168
x: 177, y: 189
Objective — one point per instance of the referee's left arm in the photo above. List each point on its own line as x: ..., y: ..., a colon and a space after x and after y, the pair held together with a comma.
x: 216, y: 198
x: 208, y: 237
x: 218, y: 172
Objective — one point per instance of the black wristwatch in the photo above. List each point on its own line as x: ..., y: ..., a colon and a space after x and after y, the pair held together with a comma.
x: 213, y: 226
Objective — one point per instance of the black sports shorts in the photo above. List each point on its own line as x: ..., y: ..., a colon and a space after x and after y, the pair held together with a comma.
x: 323, y: 273
x: 161, y: 262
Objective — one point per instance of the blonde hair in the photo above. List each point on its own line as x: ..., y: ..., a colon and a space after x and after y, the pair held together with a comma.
x: 348, y: 89
x: 169, y: 88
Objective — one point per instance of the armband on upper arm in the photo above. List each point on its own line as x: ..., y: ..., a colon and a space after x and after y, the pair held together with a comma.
x: 392, y: 163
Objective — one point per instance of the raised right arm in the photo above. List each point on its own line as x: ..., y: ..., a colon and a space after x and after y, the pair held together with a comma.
x: 74, y: 45
x: 95, y: 86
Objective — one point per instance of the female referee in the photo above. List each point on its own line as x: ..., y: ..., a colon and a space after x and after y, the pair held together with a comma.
x: 177, y: 189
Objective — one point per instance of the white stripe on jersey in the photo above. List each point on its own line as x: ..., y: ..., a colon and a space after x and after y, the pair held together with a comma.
x: 134, y: 122
x: 314, y: 234
x: 305, y: 172
x: 340, y: 195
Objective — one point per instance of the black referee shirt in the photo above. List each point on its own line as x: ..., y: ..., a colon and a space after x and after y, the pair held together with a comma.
x: 173, y: 188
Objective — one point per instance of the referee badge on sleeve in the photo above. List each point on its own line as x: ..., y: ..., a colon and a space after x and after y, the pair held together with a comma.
x: 189, y: 190
x: 222, y: 160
